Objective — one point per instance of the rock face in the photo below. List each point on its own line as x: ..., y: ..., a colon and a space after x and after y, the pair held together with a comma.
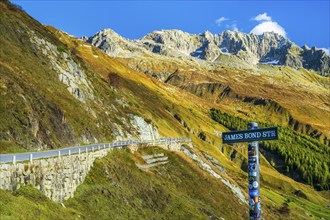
x: 316, y: 59
x: 70, y: 73
x: 235, y: 189
x: 113, y: 44
x: 152, y: 161
x: 171, y: 42
x: 146, y: 131
x: 268, y: 48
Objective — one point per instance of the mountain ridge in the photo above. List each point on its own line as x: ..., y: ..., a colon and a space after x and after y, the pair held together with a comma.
x: 268, y: 48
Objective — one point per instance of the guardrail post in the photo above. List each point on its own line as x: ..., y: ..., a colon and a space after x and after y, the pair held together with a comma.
x: 59, y: 154
x: 93, y: 149
x: 31, y: 158
x: 14, y: 159
x: 86, y: 149
x: 98, y: 147
x: 78, y: 150
x: 69, y: 152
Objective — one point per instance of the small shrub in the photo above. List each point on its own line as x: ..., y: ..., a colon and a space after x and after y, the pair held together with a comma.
x: 284, y: 209
x: 202, y: 135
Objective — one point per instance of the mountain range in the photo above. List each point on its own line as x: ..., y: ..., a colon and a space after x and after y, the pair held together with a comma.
x: 268, y: 48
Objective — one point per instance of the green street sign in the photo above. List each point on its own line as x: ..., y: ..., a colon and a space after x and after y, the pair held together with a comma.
x: 250, y: 135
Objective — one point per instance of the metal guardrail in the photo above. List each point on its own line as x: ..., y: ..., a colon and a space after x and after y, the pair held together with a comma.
x: 7, y: 158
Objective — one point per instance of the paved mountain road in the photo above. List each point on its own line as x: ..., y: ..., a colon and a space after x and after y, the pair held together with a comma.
x: 6, y: 158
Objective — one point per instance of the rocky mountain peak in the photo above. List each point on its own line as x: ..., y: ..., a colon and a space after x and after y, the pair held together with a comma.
x: 168, y: 37
x: 230, y: 33
x: 171, y: 42
x: 316, y: 59
x: 305, y: 47
x: 111, y: 43
x: 207, y: 35
x: 108, y: 33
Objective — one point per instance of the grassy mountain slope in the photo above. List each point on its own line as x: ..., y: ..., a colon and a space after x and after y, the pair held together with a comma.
x: 175, y: 190
x: 37, y: 111
x: 165, y: 191
x: 282, y: 95
x: 40, y: 110
x: 30, y: 203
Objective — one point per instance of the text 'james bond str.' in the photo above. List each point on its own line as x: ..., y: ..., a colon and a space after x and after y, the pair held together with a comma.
x: 250, y: 135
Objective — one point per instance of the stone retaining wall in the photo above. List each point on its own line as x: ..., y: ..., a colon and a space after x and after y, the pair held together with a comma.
x: 58, y: 177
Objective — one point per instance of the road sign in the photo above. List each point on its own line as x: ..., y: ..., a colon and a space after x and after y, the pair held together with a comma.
x: 253, y: 135
x: 250, y: 135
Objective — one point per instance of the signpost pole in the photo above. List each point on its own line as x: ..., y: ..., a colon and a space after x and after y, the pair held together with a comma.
x: 254, y: 176
x: 253, y: 135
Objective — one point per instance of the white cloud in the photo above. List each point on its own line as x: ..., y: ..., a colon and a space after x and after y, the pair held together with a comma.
x: 267, y: 25
x: 326, y: 50
x: 220, y: 20
x: 232, y: 26
x: 262, y: 17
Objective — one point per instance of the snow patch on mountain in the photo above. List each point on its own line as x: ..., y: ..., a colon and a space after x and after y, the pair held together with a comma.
x: 273, y: 62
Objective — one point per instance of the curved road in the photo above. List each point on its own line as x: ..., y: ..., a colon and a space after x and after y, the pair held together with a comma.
x: 6, y: 158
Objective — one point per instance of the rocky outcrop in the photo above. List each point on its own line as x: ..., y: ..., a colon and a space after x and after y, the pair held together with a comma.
x: 205, y: 166
x: 152, y: 161
x: 171, y: 43
x: 146, y: 130
x: 316, y: 59
x: 268, y: 48
x: 113, y: 44
x: 70, y: 73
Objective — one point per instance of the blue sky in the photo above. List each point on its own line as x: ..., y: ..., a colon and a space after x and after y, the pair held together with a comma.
x: 303, y: 22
